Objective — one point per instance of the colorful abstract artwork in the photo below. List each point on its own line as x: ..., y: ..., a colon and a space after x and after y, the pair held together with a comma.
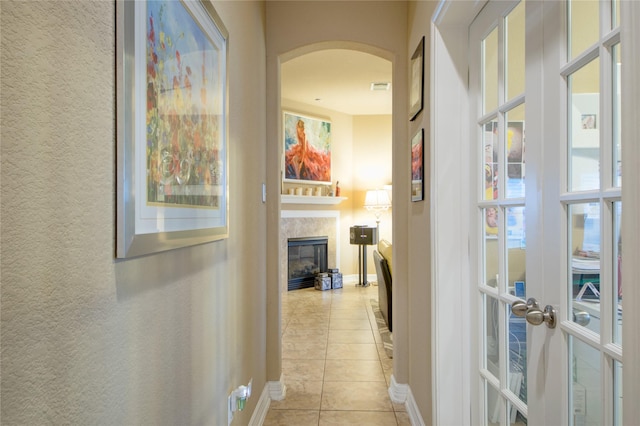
x: 417, y: 166
x: 183, y: 110
x: 307, y: 149
x: 171, y: 107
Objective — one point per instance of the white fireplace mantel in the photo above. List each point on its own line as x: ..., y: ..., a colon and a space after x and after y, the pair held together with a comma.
x: 310, y: 199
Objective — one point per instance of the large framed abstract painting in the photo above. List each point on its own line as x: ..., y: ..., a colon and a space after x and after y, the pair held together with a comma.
x: 172, y: 103
x: 417, y: 166
x: 307, y: 149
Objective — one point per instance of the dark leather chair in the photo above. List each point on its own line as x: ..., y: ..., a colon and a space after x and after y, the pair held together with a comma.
x: 384, y: 287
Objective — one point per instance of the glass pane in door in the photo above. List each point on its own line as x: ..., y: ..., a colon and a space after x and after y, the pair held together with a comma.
x: 617, y: 274
x: 492, y: 406
x: 491, y: 265
x: 516, y: 418
x: 584, y: 136
x: 515, y: 152
x: 514, y: 47
x: 615, y: 13
x: 516, y: 252
x: 616, y: 104
x: 617, y: 392
x: 490, y: 165
x: 584, y: 25
x: 586, y: 393
x: 584, y: 274
x: 517, y: 374
x: 490, y: 71
x: 492, y: 360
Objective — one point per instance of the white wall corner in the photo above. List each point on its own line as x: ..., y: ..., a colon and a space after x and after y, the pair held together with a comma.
x: 262, y: 408
x: 277, y: 390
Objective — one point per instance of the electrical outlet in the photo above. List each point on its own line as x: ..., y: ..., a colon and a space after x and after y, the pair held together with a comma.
x: 238, y: 399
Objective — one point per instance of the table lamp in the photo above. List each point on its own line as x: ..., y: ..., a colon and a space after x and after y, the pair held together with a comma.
x: 377, y: 201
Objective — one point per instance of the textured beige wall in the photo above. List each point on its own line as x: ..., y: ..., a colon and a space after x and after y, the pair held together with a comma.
x: 87, y: 339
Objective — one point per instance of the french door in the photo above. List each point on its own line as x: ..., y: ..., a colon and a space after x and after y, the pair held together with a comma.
x: 547, y: 205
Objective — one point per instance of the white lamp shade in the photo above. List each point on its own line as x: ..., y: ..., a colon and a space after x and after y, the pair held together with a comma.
x: 377, y: 199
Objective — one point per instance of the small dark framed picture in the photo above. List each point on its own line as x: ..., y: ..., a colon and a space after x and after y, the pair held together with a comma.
x: 416, y: 87
x: 417, y: 166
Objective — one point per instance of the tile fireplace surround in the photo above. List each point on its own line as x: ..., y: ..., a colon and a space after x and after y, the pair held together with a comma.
x: 308, y: 223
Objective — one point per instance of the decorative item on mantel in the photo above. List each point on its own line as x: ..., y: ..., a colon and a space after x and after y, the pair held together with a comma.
x: 337, y: 188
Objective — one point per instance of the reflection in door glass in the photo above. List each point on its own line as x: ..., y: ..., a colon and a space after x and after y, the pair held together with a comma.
x: 491, y: 218
x: 584, y: 25
x: 617, y: 125
x: 586, y: 394
x: 490, y: 71
x: 517, y: 374
x: 516, y: 245
x: 584, y: 274
x: 617, y: 274
x: 584, y: 134
x: 490, y: 160
x: 492, y: 334
x: 516, y: 418
x: 492, y: 406
x: 515, y: 152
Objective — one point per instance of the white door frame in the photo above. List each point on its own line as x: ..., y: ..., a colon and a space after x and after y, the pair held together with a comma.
x: 630, y: 46
x: 449, y: 176
x: 452, y: 339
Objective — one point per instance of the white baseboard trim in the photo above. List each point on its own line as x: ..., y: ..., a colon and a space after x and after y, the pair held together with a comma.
x: 413, y: 411
x: 273, y: 391
x: 277, y: 390
x: 401, y: 394
x: 398, y: 392
x: 353, y: 278
x: 262, y: 408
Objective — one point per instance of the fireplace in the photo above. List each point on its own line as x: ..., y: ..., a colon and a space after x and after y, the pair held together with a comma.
x: 306, y: 257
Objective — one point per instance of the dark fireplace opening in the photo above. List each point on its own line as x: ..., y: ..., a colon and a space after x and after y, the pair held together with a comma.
x: 307, y: 256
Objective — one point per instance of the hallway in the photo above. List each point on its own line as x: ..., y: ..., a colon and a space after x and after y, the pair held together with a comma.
x: 334, y: 364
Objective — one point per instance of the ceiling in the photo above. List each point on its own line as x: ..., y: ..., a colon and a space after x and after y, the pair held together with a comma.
x: 339, y: 80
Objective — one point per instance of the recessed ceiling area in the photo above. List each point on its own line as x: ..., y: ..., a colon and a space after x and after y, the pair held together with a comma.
x: 339, y: 80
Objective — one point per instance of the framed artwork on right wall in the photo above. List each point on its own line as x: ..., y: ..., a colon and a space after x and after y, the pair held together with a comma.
x: 417, y: 166
x: 416, y: 87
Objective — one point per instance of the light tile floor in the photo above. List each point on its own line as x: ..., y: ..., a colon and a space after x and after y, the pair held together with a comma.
x: 334, y: 366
